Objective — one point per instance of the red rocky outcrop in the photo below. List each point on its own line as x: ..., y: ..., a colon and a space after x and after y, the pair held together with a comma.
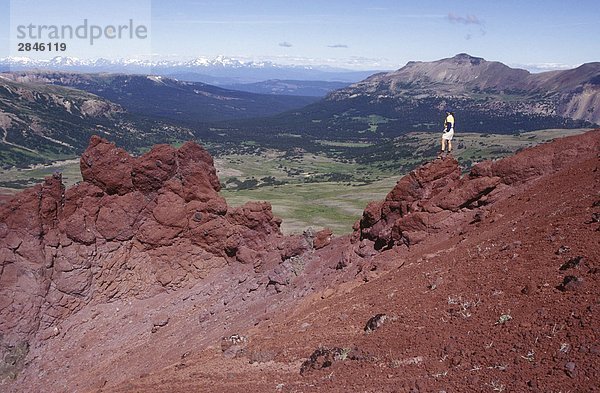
x: 164, y: 226
x: 435, y: 197
x: 322, y: 238
x: 133, y: 227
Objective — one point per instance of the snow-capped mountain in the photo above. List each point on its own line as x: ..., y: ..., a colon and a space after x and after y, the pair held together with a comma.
x: 218, y: 70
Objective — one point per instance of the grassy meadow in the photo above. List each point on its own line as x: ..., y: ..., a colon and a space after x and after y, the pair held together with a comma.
x: 303, y: 201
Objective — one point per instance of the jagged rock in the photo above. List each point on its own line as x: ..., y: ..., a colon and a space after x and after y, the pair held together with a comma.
x: 594, y: 219
x: 465, y: 193
x: 154, y: 168
x: 570, y: 283
x: 415, y: 203
x: 571, y: 263
x: 159, y: 322
x: 284, y: 273
x: 322, y: 238
x: 375, y: 322
x: 540, y: 160
x: 325, y: 357
x: 371, y: 214
x: 106, y: 166
x: 570, y: 369
x: 428, y: 199
x: 133, y: 227
x: 321, y: 358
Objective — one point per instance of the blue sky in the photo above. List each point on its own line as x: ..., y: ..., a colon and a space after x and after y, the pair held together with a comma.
x: 379, y: 34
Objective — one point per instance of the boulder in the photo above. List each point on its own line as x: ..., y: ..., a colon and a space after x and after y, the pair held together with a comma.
x: 107, y: 166
x: 322, y: 238
x: 154, y: 168
x: 404, y: 216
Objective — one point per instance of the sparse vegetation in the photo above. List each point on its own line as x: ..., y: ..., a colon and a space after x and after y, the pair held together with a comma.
x: 503, y: 319
x: 464, y: 305
x: 497, y: 386
x: 530, y: 357
x: 343, y: 355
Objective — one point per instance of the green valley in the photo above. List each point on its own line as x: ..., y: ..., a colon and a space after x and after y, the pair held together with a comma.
x: 326, y: 188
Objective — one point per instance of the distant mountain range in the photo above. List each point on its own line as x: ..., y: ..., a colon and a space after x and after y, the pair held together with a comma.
x: 487, y: 96
x: 571, y: 93
x: 217, y: 71
x: 42, y: 122
x: 160, y: 97
x: 48, y: 114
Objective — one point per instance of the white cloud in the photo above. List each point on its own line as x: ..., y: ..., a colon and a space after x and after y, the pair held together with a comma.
x: 543, y: 67
x: 353, y: 62
x: 465, y: 20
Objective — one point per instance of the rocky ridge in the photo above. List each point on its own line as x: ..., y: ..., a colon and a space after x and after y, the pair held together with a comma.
x: 144, y: 256
x: 429, y: 199
x: 41, y: 123
x: 133, y: 228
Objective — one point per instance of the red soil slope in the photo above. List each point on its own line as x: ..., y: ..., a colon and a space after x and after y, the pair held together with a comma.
x: 486, y: 282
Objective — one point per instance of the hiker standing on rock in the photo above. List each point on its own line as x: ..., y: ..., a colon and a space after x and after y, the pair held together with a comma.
x: 448, y: 132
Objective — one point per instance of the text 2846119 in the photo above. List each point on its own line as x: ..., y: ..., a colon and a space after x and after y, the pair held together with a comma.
x: 41, y: 46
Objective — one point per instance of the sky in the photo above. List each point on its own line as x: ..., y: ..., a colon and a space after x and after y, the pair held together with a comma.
x: 363, y: 35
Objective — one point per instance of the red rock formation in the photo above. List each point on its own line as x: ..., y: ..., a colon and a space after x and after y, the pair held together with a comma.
x: 158, y: 263
x: 435, y: 197
x: 322, y: 238
x: 133, y: 227
x: 499, y: 295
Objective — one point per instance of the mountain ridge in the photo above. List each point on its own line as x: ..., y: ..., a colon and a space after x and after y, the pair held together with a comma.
x: 464, y: 76
x: 48, y: 115
x: 157, y: 96
x: 466, y: 69
x: 487, y: 97
x: 220, y: 69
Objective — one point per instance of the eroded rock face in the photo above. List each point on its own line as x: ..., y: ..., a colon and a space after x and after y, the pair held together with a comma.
x: 411, y: 207
x: 434, y: 197
x: 133, y: 227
